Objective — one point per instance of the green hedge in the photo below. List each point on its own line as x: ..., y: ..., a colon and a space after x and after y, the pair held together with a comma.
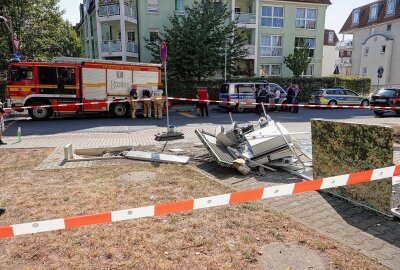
x: 360, y: 85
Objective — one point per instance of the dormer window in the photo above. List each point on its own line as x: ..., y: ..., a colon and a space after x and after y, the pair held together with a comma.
x: 356, y: 17
x: 391, y: 5
x: 373, y: 14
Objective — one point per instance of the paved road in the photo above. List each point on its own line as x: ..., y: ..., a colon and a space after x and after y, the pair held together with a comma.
x: 103, y: 124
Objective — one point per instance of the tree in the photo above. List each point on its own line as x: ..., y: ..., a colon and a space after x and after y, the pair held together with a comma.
x: 198, y: 41
x: 299, y: 60
x: 39, y: 25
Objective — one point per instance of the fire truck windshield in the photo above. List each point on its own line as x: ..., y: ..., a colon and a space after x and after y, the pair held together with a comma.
x: 16, y: 74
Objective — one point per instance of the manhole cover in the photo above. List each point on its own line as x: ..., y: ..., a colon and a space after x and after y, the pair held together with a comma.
x: 278, y: 256
x: 137, y: 176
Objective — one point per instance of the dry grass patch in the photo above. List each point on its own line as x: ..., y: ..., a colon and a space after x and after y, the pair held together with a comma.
x: 219, y: 238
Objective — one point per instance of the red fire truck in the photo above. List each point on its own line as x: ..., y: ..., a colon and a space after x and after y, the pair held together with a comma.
x: 75, y: 80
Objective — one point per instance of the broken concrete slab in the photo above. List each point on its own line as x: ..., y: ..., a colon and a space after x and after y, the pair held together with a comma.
x: 157, y: 157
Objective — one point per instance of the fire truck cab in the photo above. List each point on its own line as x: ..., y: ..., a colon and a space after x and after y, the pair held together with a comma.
x: 77, y: 80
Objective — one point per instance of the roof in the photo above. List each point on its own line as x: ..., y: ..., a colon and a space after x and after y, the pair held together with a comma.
x: 326, y: 38
x: 323, y: 2
x: 364, y: 17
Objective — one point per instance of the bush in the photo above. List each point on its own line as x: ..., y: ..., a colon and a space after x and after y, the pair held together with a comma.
x: 360, y: 85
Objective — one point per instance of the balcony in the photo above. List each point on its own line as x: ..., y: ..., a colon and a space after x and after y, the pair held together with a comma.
x: 113, y: 12
x: 344, y: 62
x: 247, y: 20
x: 114, y: 48
x: 251, y: 50
x: 344, y: 45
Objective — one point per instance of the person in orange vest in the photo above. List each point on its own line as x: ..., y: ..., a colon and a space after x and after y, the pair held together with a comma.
x: 158, y: 102
x: 147, y: 103
x: 202, y: 93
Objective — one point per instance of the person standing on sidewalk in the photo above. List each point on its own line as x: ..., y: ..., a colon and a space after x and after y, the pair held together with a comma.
x: 2, y: 125
x: 202, y: 94
x: 158, y: 102
x: 147, y: 103
x: 296, y: 98
x: 277, y: 98
x: 133, y: 97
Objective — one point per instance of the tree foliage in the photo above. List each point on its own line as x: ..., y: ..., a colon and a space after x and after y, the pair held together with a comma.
x: 39, y: 25
x: 299, y: 60
x: 198, y: 41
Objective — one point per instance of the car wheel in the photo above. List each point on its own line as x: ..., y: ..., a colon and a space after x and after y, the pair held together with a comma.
x: 119, y: 109
x: 239, y: 109
x: 40, y: 113
x: 379, y: 114
x: 332, y: 103
x: 365, y: 103
x: 398, y: 113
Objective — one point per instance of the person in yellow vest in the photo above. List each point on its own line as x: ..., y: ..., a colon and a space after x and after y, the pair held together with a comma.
x: 158, y: 103
x: 133, y: 96
x: 147, y: 103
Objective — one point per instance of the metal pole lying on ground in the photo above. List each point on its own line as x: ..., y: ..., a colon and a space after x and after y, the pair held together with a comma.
x: 166, y: 91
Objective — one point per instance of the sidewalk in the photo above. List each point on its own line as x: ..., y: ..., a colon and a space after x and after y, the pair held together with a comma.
x: 372, y: 235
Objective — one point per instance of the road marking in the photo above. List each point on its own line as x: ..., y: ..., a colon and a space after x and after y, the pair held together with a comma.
x: 188, y: 115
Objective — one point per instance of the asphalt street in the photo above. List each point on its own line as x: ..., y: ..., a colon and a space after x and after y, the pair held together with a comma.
x: 108, y: 124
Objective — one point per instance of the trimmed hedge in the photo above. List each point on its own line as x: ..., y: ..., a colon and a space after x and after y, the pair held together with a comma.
x: 360, y: 85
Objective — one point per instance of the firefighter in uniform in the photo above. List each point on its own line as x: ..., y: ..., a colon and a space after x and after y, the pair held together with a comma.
x: 158, y: 103
x: 147, y: 103
x: 133, y: 96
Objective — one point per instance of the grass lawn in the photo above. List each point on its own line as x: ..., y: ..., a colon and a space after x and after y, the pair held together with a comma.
x: 219, y: 238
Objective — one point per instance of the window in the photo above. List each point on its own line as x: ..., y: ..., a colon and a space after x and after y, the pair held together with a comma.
x: 270, y: 70
x: 306, y: 18
x: 309, y: 72
x: 364, y: 71
x: 373, y: 13
x: 309, y: 42
x: 391, y: 6
x: 179, y: 7
x: 245, y: 88
x: 366, y: 51
x: 131, y: 36
x: 350, y: 93
x: 371, y: 31
x: 271, y: 45
x: 47, y: 75
x: 331, y: 37
x: 22, y: 73
x: 389, y: 27
x: 152, y: 6
x: 154, y: 35
x: 356, y: 17
x: 383, y: 49
x: 272, y: 16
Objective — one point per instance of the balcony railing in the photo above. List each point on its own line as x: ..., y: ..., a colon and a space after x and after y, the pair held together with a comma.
x: 344, y: 45
x: 345, y: 62
x: 113, y: 10
x: 245, y: 18
x: 111, y: 46
x: 251, y: 49
x: 132, y: 47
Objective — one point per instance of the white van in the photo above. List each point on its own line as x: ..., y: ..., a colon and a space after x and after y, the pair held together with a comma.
x: 244, y: 92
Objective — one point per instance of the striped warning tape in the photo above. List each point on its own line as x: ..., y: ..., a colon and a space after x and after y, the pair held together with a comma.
x: 207, y: 101
x: 287, y: 105
x: 200, y: 203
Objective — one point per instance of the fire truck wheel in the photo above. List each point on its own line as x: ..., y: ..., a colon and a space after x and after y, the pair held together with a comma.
x: 119, y: 109
x: 40, y: 113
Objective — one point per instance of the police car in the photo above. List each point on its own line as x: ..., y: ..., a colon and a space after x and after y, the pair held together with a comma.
x: 337, y: 96
x: 244, y: 92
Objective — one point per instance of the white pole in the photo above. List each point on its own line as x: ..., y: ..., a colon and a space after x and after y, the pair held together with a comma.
x: 166, y: 92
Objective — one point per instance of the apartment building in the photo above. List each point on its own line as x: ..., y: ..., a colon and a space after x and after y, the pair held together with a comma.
x: 329, y: 55
x: 344, y: 63
x: 117, y: 29
x: 376, y: 31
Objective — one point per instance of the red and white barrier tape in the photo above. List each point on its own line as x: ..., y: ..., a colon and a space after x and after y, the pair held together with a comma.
x: 287, y: 105
x: 210, y: 101
x: 200, y: 203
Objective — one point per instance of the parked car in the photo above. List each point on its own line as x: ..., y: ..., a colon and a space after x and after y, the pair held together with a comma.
x: 337, y: 96
x: 244, y: 92
x: 386, y: 97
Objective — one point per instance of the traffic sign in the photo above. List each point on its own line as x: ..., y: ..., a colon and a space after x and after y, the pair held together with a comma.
x: 380, y: 71
x: 163, y: 52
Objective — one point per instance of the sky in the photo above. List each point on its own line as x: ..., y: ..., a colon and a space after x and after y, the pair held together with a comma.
x: 336, y: 16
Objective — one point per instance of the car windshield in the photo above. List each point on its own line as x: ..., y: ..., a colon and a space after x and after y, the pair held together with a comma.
x: 386, y: 93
